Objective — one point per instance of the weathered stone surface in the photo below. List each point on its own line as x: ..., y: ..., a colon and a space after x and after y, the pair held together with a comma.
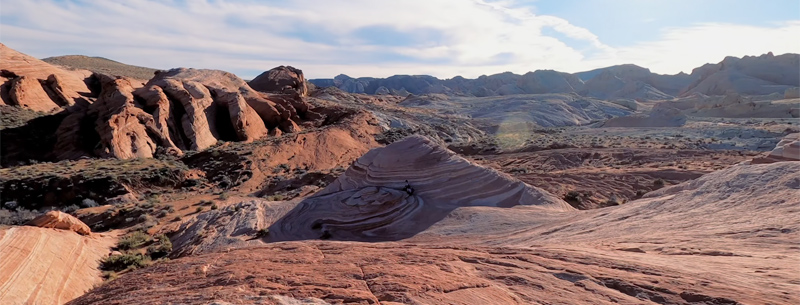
x: 48, y: 267
x: 368, y: 202
x: 788, y: 149
x: 218, y: 106
x: 31, y: 83
x: 178, y: 110
x: 121, y: 129
x: 282, y: 79
x: 61, y: 220
x: 641, y: 252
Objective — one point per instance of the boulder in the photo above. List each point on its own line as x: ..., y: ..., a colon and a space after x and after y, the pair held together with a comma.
x: 281, y: 80
x: 788, y: 149
x: 62, y: 221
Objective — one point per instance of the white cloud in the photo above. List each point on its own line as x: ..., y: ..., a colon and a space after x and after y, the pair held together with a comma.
x: 442, y: 37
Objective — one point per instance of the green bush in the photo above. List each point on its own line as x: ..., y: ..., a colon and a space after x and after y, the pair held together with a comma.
x: 161, y: 248
x: 128, y: 260
x: 262, y: 233
x: 572, y: 196
x: 134, y: 240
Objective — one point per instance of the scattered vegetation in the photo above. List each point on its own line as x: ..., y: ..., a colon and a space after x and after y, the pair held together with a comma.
x: 134, y: 240
x: 223, y: 196
x: 161, y: 248
x: 125, y: 261
x: 262, y: 233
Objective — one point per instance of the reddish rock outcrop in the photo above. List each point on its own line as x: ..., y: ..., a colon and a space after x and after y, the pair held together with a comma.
x: 33, y: 84
x: 281, y: 79
x: 60, y: 220
x: 180, y: 109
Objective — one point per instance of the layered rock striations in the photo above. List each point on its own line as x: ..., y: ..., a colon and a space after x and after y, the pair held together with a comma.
x: 373, y: 201
x: 36, y: 85
x: 178, y: 110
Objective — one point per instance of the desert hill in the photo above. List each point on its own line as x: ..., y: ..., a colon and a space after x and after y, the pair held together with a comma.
x: 101, y: 65
x: 751, y: 75
x: 761, y: 75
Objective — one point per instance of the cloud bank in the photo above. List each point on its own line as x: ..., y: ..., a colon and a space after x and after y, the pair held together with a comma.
x: 443, y: 38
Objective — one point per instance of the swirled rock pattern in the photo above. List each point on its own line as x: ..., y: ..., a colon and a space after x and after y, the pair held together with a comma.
x: 368, y: 202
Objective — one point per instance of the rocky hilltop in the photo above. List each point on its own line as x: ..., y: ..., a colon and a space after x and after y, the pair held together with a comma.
x: 32, y: 84
x: 761, y: 75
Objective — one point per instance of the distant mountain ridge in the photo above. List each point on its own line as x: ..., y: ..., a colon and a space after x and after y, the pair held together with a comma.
x: 754, y: 75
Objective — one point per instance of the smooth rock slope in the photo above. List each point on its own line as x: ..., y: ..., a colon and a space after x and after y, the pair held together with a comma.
x: 36, y: 85
x: 368, y: 202
x: 48, y: 267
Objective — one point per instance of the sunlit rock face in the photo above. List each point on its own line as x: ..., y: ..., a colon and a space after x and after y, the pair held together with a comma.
x: 371, y: 201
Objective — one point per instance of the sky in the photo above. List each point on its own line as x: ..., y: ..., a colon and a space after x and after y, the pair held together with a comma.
x: 380, y: 38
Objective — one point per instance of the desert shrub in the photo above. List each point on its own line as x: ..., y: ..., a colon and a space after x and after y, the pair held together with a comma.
x: 88, y: 203
x: 110, y: 275
x: 518, y: 170
x: 177, y: 218
x: 133, y: 240
x: 10, y: 205
x: 572, y: 196
x: 659, y: 183
x: 223, y: 196
x: 198, y: 210
x: 163, y: 213
x: 125, y: 261
x: 161, y: 248
x: 277, y: 197
x: 612, y: 201
x: 214, y: 206
x: 18, y: 217
x: 262, y: 233
x: 70, y: 209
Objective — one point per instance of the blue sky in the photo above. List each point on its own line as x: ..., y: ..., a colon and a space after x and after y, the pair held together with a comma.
x: 443, y: 38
